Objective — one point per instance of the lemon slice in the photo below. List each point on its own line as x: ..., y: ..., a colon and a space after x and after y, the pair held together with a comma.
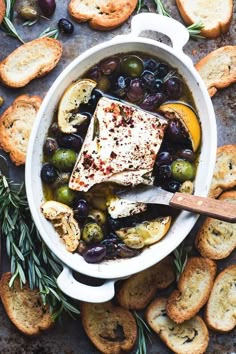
x: 188, y: 119
x: 77, y: 93
x: 149, y: 231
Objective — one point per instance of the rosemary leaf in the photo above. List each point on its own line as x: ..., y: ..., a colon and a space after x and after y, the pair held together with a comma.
x: 8, y: 27
x: 161, y: 8
x: 181, y: 257
x: 143, y: 334
x: 30, y: 23
x: 50, y: 32
x: 195, y: 30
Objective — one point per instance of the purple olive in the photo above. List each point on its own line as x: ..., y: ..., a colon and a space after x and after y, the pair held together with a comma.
x: 163, y: 173
x: 70, y: 141
x: 50, y: 145
x: 94, y: 73
x: 148, y: 80
x: 109, y: 65
x: 125, y: 252
x: 47, y: 7
x: 152, y: 101
x: 135, y: 91
x: 175, y: 131
x: 95, y: 254
x: 81, y: 209
x: 164, y: 158
x: 186, y: 154
x: 173, y: 88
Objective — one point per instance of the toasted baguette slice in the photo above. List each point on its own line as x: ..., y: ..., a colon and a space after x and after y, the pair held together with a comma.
x: 218, y: 68
x: 31, y: 60
x: 216, y: 15
x: 112, y: 329
x: 16, y: 124
x: 220, y: 310
x: 189, y: 337
x: 103, y: 15
x: 2, y: 9
x: 224, y: 177
x: 24, y: 307
x: 216, y: 239
x: 137, y: 291
x: 194, y: 287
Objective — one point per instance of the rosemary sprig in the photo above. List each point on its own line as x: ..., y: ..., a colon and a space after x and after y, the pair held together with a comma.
x: 143, y: 334
x: 194, y: 30
x: 180, y: 260
x: 30, y: 259
x: 30, y: 23
x: 7, y: 25
x: 161, y: 8
x: 50, y: 32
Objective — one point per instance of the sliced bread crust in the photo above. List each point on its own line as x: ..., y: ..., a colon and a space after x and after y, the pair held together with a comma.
x: 16, y: 124
x: 29, y: 61
x: 216, y: 15
x: 224, y: 177
x: 2, y: 9
x: 218, y: 68
x: 102, y: 14
x: 194, y: 287
x: 137, y: 291
x: 112, y: 329
x: 189, y: 337
x: 216, y: 239
x: 220, y: 310
x: 24, y: 307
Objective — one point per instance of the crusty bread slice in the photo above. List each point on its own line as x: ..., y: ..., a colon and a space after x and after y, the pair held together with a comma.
x: 112, y: 329
x: 220, y: 314
x: 218, y: 68
x: 29, y: 61
x: 2, y: 9
x: 24, y: 307
x: 194, y: 287
x: 216, y: 15
x: 102, y: 14
x: 224, y: 177
x: 16, y: 124
x: 185, y: 338
x: 216, y: 239
x: 136, y: 292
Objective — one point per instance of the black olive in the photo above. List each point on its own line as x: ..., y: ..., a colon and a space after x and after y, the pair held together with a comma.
x: 50, y: 145
x: 48, y: 173
x: 65, y: 26
x: 70, y: 141
x: 95, y: 253
x: 47, y: 7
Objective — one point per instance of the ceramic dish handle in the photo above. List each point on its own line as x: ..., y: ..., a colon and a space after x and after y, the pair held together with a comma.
x: 71, y: 287
x: 173, y: 29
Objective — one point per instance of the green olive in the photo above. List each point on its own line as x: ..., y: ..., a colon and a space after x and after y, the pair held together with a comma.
x: 103, y: 84
x: 1, y: 101
x: 98, y: 215
x: 132, y: 66
x: 28, y: 13
x: 65, y: 195
x: 92, y: 232
x: 182, y: 170
x: 64, y: 159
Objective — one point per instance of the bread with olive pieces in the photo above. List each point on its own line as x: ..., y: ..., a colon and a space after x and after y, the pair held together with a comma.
x: 103, y: 15
x: 194, y: 287
x: 185, y: 338
x: 216, y: 239
x: 16, y: 124
x: 112, y: 329
x: 218, y: 68
x: 24, y: 307
x: 216, y: 15
x: 2, y: 10
x: 224, y: 176
x: 31, y: 60
x: 221, y: 306
x: 137, y: 291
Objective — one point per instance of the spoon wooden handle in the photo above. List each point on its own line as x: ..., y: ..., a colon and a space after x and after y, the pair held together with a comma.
x: 217, y: 209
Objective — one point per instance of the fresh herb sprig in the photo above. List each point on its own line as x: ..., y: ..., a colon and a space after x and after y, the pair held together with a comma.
x: 50, y: 32
x: 31, y: 260
x: 181, y: 256
x: 7, y: 25
x: 143, y: 334
x: 194, y: 29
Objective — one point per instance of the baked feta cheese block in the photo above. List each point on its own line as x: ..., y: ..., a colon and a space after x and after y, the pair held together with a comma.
x: 121, y: 146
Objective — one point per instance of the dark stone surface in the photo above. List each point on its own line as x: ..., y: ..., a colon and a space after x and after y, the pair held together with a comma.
x: 69, y: 337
